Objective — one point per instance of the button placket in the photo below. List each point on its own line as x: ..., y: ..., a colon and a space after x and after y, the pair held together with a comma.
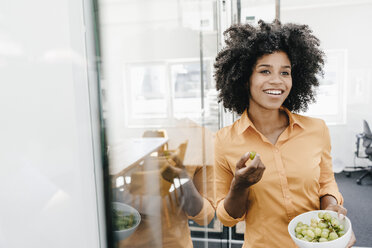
x: 284, y: 182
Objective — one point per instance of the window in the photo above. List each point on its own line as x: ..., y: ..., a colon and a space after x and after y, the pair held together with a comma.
x: 163, y: 92
x: 147, y: 96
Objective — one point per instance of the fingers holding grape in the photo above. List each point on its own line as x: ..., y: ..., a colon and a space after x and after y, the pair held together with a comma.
x: 243, y: 159
x: 245, y: 175
x: 241, y: 163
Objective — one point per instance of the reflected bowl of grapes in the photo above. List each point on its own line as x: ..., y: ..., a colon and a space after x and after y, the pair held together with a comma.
x: 320, y: 229
x: 125, y: 220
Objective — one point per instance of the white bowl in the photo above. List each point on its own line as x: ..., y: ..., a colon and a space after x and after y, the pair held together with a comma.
x: 305, y: 218
x: 123, y: 234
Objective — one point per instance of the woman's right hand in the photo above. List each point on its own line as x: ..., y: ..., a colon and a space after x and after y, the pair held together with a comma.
x: 246, y: 176
x: 236, y: 201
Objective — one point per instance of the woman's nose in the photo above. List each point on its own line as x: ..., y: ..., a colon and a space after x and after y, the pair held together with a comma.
x: 276, y: 78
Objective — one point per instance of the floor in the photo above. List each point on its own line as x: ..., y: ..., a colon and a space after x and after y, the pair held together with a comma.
x: 358, y: 202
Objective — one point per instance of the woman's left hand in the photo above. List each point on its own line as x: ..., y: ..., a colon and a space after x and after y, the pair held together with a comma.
x: 341, y: 211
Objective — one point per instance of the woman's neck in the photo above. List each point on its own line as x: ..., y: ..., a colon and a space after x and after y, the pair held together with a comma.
x: 268, y: 121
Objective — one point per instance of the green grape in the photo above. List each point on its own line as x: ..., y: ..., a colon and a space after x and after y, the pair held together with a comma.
x: 313, y: 220
x: 324, y: 234
x: 322, y: 225
x: 298, y: 229
x: 310, y: 233
x: 327, y: 216
x: 341, y: 233
x: 304, y: 232
x: 318, y: 231
x: 320, y: 215
x: 300, y: 224
x: 332, y: 236
x: 299, y: 235
x: 323, y: 240
x: 307, y: 238
x: 335, y: 222
x: 252, y: 155
x: 341, y: 227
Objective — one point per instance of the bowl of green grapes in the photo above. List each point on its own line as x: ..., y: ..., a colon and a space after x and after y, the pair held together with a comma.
x: 125, y: 220
x: 320, y: 229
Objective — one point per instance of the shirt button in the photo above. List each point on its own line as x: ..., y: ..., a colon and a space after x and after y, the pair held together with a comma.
x: 276, y: 149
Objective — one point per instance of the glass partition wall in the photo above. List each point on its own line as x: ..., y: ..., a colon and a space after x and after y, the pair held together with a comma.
x: 160, y: 112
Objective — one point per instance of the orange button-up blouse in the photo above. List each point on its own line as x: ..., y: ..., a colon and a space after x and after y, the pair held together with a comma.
x: 298, y: 172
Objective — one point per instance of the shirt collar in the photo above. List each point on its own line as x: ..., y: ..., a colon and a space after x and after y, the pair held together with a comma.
x: 245, y: 122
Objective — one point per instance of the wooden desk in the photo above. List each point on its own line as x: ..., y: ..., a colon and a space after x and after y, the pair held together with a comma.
x: 129, y: 152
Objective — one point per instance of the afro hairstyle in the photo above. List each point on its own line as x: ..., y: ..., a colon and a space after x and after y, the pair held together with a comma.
x: 246, y: 43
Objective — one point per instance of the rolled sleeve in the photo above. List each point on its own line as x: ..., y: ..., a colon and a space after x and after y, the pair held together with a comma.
x: 224, y: 216
x: 335, y: 193
x: 205, y: 215
x: 327, y: 182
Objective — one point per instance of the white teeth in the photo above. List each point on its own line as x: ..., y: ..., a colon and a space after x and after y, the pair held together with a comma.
x: 273, y: 92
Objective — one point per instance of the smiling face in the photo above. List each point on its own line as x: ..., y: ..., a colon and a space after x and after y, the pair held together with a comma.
x: 270, y: 82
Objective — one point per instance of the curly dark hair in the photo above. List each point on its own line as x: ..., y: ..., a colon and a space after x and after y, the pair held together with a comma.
x: 246, y: 43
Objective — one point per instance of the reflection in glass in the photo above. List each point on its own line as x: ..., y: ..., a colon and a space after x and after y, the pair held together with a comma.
x: 164, y: 189
x: 151, y: 80
x: 161, y: 113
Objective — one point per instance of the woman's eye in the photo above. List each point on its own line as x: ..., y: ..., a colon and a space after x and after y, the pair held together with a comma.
x: 285, y: 73
x: 265, y: 72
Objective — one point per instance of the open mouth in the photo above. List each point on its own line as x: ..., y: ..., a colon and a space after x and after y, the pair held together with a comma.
x: 274, y: 92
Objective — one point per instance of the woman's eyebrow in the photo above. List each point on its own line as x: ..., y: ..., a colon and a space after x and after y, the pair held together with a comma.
x: 267, y: 65
x: 264, y: 65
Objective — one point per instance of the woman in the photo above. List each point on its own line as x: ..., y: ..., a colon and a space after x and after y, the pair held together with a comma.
x: 265, y: 73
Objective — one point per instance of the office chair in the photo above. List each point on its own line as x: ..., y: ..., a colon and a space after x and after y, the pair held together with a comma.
x: 154, y: 134
x: 366, y: 136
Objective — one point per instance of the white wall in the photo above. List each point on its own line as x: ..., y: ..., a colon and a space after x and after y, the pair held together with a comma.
x: 48, y: 178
